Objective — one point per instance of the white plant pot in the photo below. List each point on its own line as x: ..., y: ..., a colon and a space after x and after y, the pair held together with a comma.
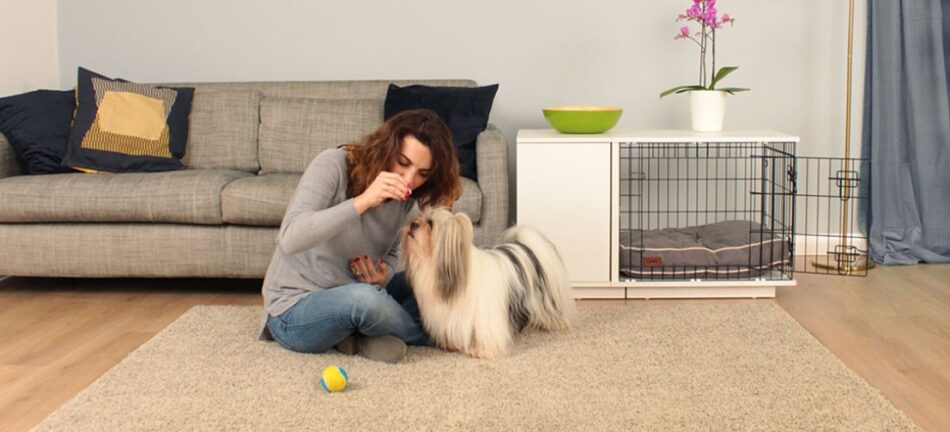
x: 707, y: 109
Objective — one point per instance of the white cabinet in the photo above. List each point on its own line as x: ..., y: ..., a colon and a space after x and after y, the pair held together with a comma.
x: 563, y: 189
x: 570, y: 188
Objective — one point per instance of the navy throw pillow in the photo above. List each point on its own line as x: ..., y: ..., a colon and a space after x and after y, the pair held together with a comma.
x: 127, y: 127
x: 464, y: 109
x: 37, y: 126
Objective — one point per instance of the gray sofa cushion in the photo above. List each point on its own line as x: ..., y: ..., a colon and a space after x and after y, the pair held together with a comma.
x: 135, y: 250
x: 259, y: 200
x: 262, y: 200
x: 9, y: 165
x: 222, y: 113
x: 186, y: 196
x: 294, y: 130
x: 470, y: 202
x: 367, y: 89
x: 223, y: 132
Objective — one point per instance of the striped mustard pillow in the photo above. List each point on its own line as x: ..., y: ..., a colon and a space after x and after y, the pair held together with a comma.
x: 123, y: 127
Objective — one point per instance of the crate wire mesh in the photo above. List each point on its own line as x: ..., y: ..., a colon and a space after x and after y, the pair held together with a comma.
x: 829, y: 198
x: 707, y: 210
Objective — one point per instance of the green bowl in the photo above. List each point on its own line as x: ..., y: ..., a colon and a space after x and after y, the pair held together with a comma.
x: 582, y: 119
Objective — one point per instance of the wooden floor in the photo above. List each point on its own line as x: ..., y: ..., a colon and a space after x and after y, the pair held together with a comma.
x: 58, y: 335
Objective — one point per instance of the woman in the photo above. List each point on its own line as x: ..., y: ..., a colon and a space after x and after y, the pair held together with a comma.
x: 338, y: 243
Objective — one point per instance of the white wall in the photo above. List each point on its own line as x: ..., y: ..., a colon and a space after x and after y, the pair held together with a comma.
x: 792, y: 54
x: 30, y: 58
x: 621, y: 52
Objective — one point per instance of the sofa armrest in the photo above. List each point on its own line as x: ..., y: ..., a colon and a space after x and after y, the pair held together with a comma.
x: 9, y: 166
x: 491, y: 151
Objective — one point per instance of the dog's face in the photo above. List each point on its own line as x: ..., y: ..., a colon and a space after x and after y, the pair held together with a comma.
x: 417, y: 237
x: 439, y: 241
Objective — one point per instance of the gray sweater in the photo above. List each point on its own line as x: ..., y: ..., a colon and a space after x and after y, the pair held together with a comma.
x: 321, y: 232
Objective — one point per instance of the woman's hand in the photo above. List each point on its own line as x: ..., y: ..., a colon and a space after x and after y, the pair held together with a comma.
x: 386, y: 186
x: 364, y: 270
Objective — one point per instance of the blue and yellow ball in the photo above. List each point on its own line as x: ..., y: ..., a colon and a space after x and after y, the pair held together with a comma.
x: 333, y: 379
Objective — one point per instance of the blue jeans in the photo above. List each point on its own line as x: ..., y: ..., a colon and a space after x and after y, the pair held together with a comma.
x: 322, y: 319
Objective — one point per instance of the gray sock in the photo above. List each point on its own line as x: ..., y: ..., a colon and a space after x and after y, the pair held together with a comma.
x: 348, y: 345
x: 389, y: 349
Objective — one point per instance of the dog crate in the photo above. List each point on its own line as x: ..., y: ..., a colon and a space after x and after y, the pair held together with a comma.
x: 706, y: 211
x: 670, y: 214
x: 738, y: 211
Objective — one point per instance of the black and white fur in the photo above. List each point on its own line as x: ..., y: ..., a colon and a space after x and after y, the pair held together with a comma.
x: 475, y: 300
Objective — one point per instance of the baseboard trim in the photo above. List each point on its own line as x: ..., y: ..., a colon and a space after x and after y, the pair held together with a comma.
x: 824, y: 243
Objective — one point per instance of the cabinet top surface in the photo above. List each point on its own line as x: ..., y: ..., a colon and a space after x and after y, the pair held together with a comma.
x: 668, y: 135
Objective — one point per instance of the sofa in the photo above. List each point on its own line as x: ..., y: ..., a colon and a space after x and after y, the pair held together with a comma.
x: 248, y: 144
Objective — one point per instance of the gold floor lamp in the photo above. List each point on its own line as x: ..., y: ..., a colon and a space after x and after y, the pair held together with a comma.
x: 839, y: 259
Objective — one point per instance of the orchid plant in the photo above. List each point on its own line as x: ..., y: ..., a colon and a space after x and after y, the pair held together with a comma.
x: 705, y: 15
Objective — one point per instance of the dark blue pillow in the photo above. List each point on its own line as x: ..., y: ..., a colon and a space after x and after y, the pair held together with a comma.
x: 37, y: 126
x: 464, y: 109
x: 122, y: 126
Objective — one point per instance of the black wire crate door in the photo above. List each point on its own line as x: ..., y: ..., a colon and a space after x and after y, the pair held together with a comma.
x: 706, y: 211
x: 831, y: 205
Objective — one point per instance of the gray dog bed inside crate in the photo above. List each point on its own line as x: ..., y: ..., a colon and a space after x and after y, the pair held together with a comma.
x: 735, y: 249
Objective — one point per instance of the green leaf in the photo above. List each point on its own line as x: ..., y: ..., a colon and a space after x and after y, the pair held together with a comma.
x: 723, y: 71
x: 733, y: 90
x: 681, y: 89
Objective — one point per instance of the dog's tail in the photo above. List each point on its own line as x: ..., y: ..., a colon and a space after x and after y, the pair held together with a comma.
x: 550, y: 299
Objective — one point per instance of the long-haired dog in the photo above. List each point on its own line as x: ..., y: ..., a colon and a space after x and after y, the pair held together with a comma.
x: 475, y: 300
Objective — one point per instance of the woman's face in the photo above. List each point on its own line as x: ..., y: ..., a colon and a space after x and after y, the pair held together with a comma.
x: 414, y: 162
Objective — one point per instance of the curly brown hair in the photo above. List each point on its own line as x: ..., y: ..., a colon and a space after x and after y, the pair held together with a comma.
x: 379, y: 151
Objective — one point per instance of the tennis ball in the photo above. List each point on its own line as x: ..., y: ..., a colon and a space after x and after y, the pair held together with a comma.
x: 333, y: 379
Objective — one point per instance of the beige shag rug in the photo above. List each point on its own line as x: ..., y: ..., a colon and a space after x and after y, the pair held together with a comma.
x: 640, y: 366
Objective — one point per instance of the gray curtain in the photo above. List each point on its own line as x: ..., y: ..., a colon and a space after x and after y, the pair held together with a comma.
x: 906, y: 136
